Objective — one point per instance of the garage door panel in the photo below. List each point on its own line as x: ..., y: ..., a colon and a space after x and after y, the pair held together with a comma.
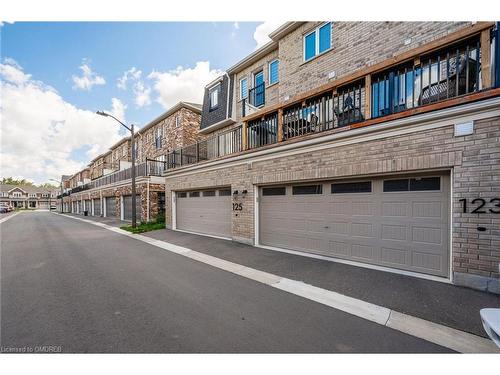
x: 407, y: 230
x: 110, y: 206
x: 97, y: 207
x: 204, y: 214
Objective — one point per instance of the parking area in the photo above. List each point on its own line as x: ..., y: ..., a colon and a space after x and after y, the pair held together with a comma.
x: 435, y: 301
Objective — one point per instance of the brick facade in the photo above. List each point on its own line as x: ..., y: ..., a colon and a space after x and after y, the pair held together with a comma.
x: 474, y: 160
x: 271, y: 93
x: 355, y: 45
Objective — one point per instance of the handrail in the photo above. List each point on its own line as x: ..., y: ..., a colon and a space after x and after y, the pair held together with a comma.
x: 437, y: 44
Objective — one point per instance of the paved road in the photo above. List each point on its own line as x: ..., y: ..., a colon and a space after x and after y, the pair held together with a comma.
x: 71, y: 284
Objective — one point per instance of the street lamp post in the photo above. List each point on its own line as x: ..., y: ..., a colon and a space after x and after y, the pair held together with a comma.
x: 132, y: 144
x: 61, y: 187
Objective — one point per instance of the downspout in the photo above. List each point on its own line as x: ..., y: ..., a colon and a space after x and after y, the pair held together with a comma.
x: 228, y: 96
x: 496, y: 55
x: 147, y: 201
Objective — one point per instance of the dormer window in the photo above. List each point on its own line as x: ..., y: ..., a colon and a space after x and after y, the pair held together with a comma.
x: 214, y: 97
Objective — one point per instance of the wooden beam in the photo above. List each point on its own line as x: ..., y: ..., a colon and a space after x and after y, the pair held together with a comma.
x: 368, y: 97
x: 486, y: 58
x: 447, y: 40
x: 244, y: 136
x: 280, y: 125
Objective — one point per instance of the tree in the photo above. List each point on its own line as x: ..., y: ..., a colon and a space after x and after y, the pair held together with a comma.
x: 48, y: 185
x: 12, y: 181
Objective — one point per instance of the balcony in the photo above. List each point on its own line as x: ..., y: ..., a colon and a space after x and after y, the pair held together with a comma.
x: 148, y: 168
x: 255, y: 100
x: 454, y: 70
x: 219, y: 145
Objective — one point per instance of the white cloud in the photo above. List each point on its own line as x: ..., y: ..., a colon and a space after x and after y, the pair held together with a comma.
x: 262, y: 31
x: 88, y: 79
x: 11, y: 72
x: 183, y: 84
x: 41, y: 132
x: 236, y: 25
x: 131, y: 74
x: 142, y: 94
x: 118, y: 109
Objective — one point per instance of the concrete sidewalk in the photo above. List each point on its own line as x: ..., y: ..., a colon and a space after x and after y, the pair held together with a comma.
x: 446, y: 304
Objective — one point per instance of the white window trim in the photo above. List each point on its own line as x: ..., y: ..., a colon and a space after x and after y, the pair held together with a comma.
x: 316, y: 49
x: 241, y: 80
x: 269, y: 71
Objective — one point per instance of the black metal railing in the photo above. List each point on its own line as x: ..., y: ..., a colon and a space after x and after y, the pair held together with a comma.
x: 257, y: 95
x: 445, y: 74
x: 263, y: 131
x: 325, y: 112
x: 222, y: 144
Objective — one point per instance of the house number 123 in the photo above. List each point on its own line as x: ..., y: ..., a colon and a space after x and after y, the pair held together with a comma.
x: 478, y: 206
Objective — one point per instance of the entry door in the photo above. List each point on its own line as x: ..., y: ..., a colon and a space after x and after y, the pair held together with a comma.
x: 207, y: 212
x: 398, y: 222
x: 258, y: 84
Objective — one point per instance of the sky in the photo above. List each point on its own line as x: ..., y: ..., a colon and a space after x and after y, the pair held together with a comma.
x: 55, y: 75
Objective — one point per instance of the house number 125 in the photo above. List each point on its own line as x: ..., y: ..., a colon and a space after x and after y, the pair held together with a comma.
x: 479, y: 204
x: 237, y: 206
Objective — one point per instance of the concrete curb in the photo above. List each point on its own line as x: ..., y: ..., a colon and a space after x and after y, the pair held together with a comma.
x: 451, y: 338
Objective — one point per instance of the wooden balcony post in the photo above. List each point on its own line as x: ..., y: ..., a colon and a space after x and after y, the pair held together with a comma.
x: 244, y: 139
x: 368, y: 97
x: 280, y: 125
x: 486, y: 58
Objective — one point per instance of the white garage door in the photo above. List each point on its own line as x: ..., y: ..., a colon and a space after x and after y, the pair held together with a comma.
x: 207, y: 212
x: 398, y: 222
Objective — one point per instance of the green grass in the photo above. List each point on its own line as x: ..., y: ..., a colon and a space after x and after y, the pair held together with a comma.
x: 145, y: 227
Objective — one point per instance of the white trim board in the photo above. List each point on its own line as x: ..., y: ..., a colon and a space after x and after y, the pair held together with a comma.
x: 433, y: 332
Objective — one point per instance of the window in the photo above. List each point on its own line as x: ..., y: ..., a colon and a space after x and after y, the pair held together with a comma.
x: 396, y: 185
x: 224, y: 193
x: 243, y: 88
x: 177, y: 122
x: 273, y: 71
x: 274, y: 191
x: 413, y: 184
x: 158, y: 137
x: 214, y: 97
x: 425, y: 183
x: 194, y: 194
x: 16, y: 194
x: 318, y: 41
x: 352, y: 187
x: 209, y: 193
x: 182, y: 194
x: 307, y: 189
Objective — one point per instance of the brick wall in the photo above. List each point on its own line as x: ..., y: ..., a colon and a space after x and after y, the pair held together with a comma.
x: 174, y: 137
x: 271, y: 93
x: 475, y: 160
x: 355, y: 45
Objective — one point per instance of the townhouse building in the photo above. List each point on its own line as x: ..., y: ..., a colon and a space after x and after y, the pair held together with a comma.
x: 104, y: 188
x: 28, y: 196
x: 375, y: 144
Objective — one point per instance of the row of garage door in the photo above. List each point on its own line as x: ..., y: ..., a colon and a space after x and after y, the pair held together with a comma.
x: 109, y: 207
x: 397, y: 222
